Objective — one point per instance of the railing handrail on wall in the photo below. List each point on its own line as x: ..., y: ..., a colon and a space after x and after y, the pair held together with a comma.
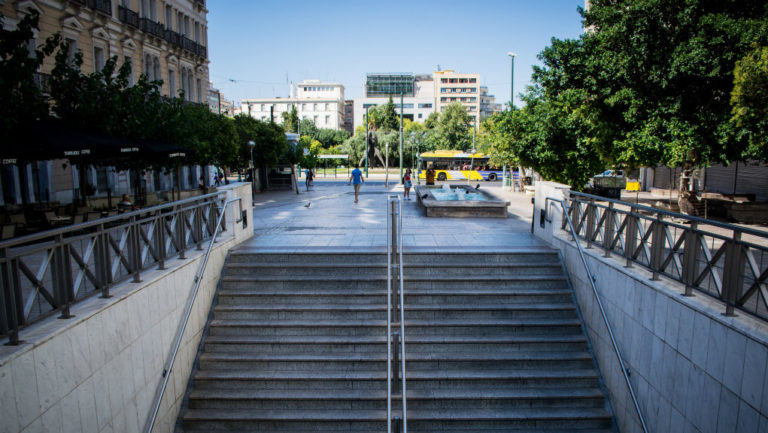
x: 185, y: 318
x: 725, y: 266
x: 591, y: 277
x: 54, y: 269
x: 395, y: 306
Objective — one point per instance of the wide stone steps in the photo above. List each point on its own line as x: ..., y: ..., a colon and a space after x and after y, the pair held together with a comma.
x: 297, y: 343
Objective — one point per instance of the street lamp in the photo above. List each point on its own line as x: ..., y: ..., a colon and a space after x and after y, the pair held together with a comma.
x: 512, y: 80
x: 251, y: 145
x: 507, y: 175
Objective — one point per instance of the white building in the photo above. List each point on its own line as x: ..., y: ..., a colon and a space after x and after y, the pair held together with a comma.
x: 322, y: 103
x: 418, y: 95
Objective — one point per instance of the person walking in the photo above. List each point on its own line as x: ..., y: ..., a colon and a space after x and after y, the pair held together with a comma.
x: 407, y: 184
x: 310, y: 178
x: 356, y: 178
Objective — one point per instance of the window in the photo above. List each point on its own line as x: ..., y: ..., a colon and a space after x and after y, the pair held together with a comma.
x: 314, y: 107
x: 199, y: 90
x: 473, y: 80
x: 443, y: 80
x: 262, y: 107
x: 71, y: 50
x: 197, y: 32
x: 168, y: 17
x: 179, y: 22
x: 425, y: 106
x: 327, y: 120
x: 99, y: 59
x: 419, y: 115
x: 314, y: 119
x: 303, y: 107
x: 172, y: 82
x: 305, y: 89
x: 327, y: 106
x: 443, y: 90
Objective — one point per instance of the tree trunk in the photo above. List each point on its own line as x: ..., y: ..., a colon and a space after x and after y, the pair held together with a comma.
x: 294, y: 181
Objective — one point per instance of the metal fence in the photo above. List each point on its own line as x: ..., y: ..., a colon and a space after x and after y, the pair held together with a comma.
x: 45, y: 273
x: 725, y: 261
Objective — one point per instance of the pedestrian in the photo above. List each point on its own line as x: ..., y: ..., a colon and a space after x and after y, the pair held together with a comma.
x: 356, y: 177
x: 430, y: 175
x: 407, y: 184
x: 310, y: 177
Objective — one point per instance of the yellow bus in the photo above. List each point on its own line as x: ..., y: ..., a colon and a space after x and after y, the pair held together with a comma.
x: 458, y: 165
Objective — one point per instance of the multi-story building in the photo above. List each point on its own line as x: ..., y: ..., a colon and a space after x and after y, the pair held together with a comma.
x: 322, y: 103
x: 349, y: 116
x: 164, y: 39
x: 488, y: 105
x: 451, y: 86
x: 218, y: 103
x: 417, y: 92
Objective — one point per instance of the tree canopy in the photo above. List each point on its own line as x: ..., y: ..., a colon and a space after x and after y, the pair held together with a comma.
x: 649, y: 83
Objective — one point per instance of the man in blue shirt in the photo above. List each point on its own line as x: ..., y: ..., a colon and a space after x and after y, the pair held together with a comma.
x: 357, y: 179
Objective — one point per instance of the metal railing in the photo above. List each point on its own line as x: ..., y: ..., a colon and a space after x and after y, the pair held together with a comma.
x: 103, y: 6
x: 128, y: 16
x: 185, y: 318
x: 154, y: 28
x: 725, y: 261
x: 46, y: 273
x: 591, y: 277
x: 395, y: 307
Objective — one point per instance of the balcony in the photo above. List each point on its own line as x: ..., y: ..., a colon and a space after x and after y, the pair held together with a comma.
x: 103, y: 6
x: 200, y: 2
x: 153, y: 28
x: 172, y: 37
x: 128, y: 16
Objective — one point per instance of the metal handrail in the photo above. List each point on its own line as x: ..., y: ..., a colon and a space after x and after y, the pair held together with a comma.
x: 730, y: 266
x: 183, y: 324
x: 395, y: 249
x: 61, y: 267
x: 591, y: 277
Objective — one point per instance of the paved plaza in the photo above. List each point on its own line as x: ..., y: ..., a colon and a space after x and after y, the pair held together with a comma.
x: 326, y: 217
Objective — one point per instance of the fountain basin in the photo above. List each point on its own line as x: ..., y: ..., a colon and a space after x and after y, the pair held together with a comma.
x: 486, y: 207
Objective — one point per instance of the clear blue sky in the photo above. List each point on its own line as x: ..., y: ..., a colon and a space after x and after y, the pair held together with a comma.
x: 262, y: 45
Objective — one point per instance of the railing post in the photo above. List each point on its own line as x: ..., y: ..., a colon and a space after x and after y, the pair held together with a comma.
x: 394, y: 270
x: 181, y: 232
x: 102, y: 259
x: 160, y: 240
x: 630, y: 238
x: 657, y: 246
x: 134, y: 250
x: 733, y: 273
x: 591, y: 222
x: 198, y: 215
x: 690, y: 253
x: 62, y: 277
x: 12, y: 313
x: 608, y: 229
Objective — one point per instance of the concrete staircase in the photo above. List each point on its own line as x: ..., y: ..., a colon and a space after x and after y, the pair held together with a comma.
x: 297, y: 344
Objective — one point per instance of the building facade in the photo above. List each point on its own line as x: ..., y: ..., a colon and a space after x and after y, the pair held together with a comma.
x: 164, y: 39
x: 451, y: 86
x: 322, y: 103
x: 417, y: 91
x: 218, y: 103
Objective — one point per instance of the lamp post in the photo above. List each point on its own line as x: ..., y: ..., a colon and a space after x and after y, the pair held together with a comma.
x: 251, y: 145
x: 366, y: 142
x: 508, y: 175
x: 512, y: 80
x: 401, y: 136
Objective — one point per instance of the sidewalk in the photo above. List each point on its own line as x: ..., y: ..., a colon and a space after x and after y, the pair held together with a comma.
x: 326, y: 217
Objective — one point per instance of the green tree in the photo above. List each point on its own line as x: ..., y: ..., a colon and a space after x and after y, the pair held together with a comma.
x: 290, y: 119
x: 269, y: 141
x: 388, y: 119
x: 22, y: 99
x: 453, y: 127
x: 750, y: 100
x: 307, y: 127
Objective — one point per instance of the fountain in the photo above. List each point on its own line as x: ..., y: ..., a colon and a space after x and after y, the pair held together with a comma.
x: 459, y: 201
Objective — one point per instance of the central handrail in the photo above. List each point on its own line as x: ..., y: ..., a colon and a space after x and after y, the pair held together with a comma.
x: 183, y: 324
x: 591, y: 277
x: 396, y: 302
